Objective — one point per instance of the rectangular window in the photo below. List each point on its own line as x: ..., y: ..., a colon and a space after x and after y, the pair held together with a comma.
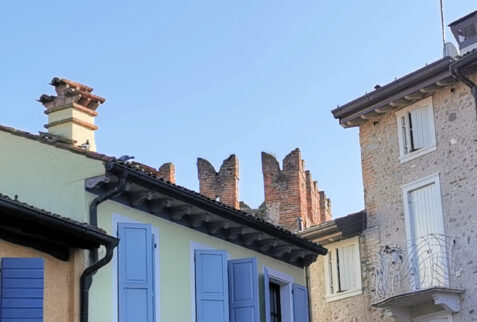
x: 225, y: 290
x: 275, y: 308
x: 343, y: 269
x: 425, y: 229
x: 136, y: 286
x: 416, y: 132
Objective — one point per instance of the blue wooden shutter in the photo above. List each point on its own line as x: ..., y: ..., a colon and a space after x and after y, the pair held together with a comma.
x: 300, y: 304
x: 22, y: 289
x: 136, y: 273
x: 243, y: 290
x: 266, y: 289
x: 211, y: 289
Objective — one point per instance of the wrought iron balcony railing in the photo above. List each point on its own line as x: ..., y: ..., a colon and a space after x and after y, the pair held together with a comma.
x: 423, y: 263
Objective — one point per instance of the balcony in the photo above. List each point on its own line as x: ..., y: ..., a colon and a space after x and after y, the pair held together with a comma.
x: 413, y: 272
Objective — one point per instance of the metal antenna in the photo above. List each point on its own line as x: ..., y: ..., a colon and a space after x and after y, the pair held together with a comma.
x: 443, y: 29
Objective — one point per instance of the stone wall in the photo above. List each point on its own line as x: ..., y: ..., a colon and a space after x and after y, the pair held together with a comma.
x: 354, y: 308
x: 455, y: 160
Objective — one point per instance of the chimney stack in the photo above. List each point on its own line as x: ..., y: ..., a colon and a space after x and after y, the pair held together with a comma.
x: 71, y: 112
x: 167, y: 171
x: 222, y: 185
x: 290, y: 193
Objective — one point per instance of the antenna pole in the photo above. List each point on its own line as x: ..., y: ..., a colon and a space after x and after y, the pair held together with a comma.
x: 443, y: 29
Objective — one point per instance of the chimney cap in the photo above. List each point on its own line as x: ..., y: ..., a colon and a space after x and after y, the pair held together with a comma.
x: 56, y: 81
x: 74, y: 88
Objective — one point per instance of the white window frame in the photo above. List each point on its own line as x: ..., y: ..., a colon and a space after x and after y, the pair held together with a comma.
x: 331, y: 249
x: 432, y: 179
x: 414, y: 185
x: 404, y: 157
x: 116, y: 219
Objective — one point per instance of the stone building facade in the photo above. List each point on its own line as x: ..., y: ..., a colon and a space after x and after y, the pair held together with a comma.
x: 418, y: 138
x: 454, y: 160
x: 349, y: 305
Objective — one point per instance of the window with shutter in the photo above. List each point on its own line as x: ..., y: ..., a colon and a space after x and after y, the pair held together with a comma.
x: 243, y: 290
x: 424, y: 221
x: 22, y: 289
x: 136, y: 273
x: 416, y: 132
x: 278, y: 289
x: 211, y: 286
x: 300, y: 304
x: 343, y: 269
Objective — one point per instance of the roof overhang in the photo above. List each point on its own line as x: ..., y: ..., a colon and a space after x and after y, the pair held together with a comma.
x: 402, y: 92
x: 28, y: 226
x: 338, y: 229
x: 406, y: 90
x: 163, y: 199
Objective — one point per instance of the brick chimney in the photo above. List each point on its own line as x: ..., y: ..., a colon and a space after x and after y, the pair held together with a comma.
x: 71, y: 112
x: 290, y: 193
x: 222, y: 185
x: 167, y: 171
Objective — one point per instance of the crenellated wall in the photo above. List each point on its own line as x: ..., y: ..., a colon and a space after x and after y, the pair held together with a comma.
x: 222, y: 185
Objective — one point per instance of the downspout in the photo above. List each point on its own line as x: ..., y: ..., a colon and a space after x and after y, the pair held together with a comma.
x: 307, y: 281
x: 473, y: 87
x: 87, y: 279
x: 87, y: 275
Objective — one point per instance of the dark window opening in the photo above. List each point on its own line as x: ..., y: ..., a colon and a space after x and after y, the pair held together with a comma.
x: 411, y: 133
x: 338, y: 271
x: 275, y: 308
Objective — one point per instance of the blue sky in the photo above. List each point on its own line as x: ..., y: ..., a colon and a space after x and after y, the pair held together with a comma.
x: 188, y: 79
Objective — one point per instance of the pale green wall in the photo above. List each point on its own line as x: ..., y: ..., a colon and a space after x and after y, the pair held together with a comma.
x: 46, y: 177
x: 53, y: 179
x: 175, y: 266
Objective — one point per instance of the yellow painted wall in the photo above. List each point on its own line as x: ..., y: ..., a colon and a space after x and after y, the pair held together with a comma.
x: 46, y: 177
x: 175, y: 265
x: 61, y: 293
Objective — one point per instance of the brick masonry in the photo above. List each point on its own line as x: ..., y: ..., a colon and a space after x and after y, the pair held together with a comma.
x: 167, y: 171
x: 290, y: 193
x: 223, y: 185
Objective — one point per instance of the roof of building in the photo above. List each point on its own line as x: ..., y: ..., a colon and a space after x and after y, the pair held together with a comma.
x: 462, y: 18
x: 403, y: 91
x: 338, y: 229
x: 56, y: 141
x: 24, y: 224
x: 196, y: 211
x: 145, y: 175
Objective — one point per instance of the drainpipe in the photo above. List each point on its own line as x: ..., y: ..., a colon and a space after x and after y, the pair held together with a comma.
x: 307, y: 281
x: 455, y: 71
x: 87, y: 275
x: 87, y: 279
